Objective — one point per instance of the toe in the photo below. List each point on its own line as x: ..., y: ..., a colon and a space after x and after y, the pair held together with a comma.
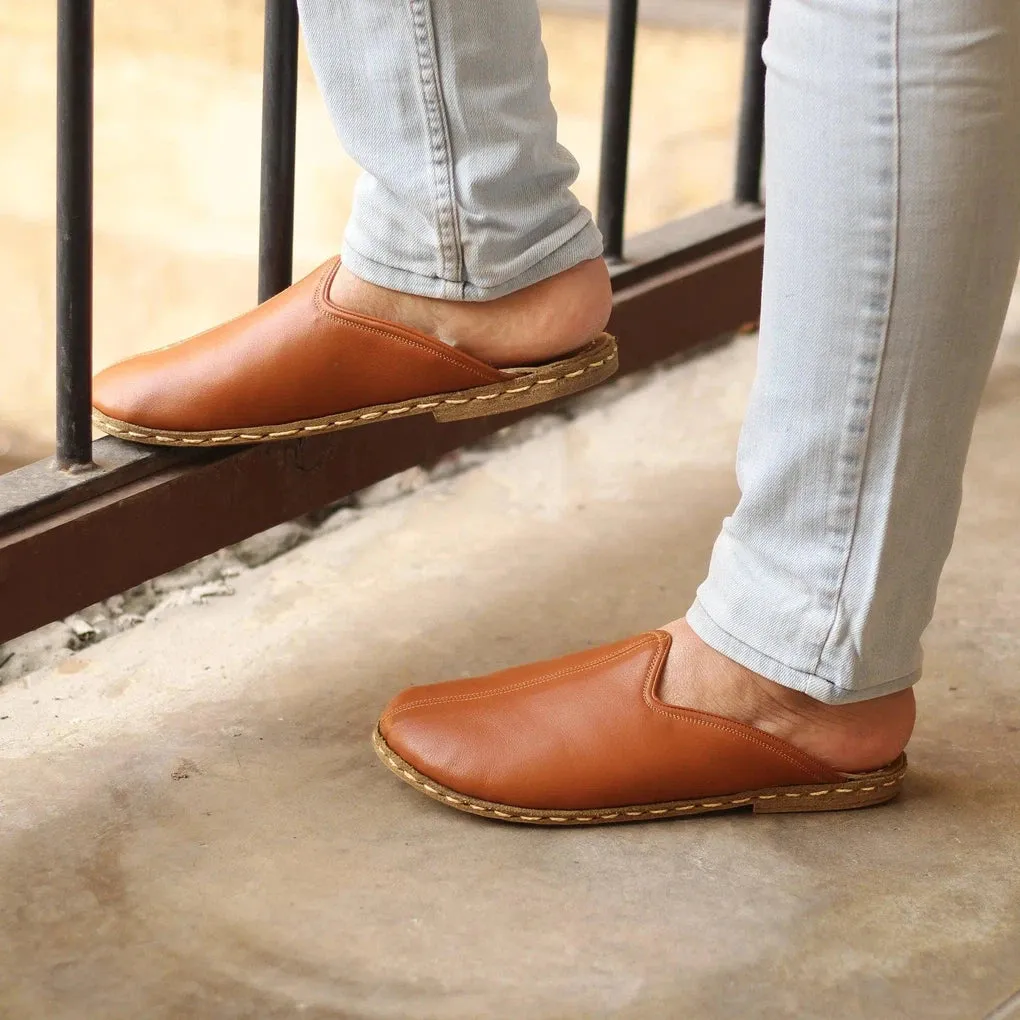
x: 130, y: 392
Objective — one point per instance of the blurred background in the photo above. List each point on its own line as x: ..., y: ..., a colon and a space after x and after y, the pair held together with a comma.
x: 178, y: 94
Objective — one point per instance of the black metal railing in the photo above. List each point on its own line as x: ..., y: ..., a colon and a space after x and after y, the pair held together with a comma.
x: 89, y: 522
x: 616, y: 106
x: 616, y: 110
x: 74, y: 233
x: 279, y: 131
x: 751, y: 129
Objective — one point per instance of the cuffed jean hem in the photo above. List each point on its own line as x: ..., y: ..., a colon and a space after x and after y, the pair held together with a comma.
x: 811, y: 684
x: 584, y: 244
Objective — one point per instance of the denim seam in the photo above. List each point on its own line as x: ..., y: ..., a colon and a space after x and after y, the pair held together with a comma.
x: 860, y: 461
x: 440, y: 153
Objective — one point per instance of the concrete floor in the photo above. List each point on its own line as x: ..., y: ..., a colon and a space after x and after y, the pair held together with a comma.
x: 194, y: 824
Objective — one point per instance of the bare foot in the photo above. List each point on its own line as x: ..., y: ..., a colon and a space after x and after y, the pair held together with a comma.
x: 539, y: 323
x: 852, y: 738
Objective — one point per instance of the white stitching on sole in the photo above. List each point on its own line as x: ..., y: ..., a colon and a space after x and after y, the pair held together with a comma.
x: 162, y: 438
x: 393, y: 762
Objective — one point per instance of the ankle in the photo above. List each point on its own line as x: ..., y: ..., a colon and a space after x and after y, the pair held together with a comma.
x: 538, y: 323
x: 852, y: 738
x: 856, y: 737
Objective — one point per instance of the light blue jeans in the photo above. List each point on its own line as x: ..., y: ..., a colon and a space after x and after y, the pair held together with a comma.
x: 892, y: 241
x: 445, y: 106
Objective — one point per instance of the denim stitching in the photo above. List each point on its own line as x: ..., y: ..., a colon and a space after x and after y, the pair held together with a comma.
x: 440, y: 153
x: 868, y: 368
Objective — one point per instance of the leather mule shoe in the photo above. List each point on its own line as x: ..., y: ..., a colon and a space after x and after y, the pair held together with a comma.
x: 299, y: 365
x: 584, y: 739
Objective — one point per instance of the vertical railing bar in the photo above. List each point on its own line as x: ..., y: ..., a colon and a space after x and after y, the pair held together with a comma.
x: 616, y: 124
x: 279, y: 122
x: 74, y: 233
x: 751, y: 133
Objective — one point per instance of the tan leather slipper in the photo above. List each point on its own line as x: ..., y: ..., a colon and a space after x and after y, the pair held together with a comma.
x: 298, y: 365
x: 584, y: 740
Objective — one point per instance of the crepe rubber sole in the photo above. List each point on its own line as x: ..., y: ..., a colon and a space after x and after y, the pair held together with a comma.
x: 585, y: 368
x: 854, y: 791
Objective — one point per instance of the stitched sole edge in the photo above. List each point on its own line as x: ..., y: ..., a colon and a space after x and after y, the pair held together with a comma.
x: 591, y: 365
x: 861, y: 790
